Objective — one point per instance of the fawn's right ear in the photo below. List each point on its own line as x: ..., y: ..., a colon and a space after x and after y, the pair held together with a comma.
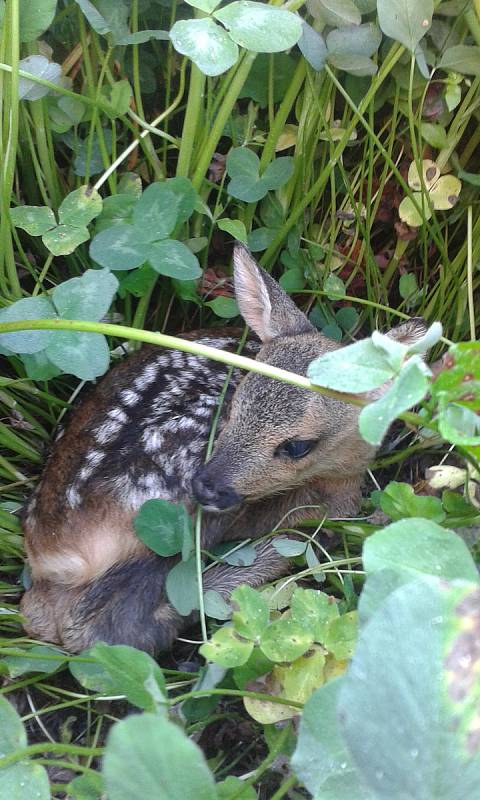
x: 265, y: 307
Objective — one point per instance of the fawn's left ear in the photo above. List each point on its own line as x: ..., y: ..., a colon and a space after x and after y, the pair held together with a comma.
x: 409, y: 332
x: 265, y: 307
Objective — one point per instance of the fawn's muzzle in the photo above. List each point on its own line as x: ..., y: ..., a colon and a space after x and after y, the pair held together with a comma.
x: 212, y: 494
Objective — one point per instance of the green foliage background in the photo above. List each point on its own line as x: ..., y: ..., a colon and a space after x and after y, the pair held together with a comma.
x: 339, y: 140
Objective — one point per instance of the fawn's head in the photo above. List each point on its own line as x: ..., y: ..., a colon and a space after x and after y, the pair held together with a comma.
x: 278, y: 436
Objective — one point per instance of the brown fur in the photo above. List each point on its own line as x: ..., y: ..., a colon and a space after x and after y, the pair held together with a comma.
x: 142, y: 433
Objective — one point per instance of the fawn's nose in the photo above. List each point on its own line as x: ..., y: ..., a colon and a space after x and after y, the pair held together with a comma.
x: 211, y: 494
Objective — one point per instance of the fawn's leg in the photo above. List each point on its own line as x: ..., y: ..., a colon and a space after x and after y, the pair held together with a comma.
x: 268, y: 565
x: 125, y: 605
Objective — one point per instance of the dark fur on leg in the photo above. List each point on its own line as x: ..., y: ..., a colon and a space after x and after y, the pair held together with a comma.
x: 127, y: 605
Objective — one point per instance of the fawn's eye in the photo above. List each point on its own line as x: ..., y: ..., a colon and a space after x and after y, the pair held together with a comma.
x: 296, y: 449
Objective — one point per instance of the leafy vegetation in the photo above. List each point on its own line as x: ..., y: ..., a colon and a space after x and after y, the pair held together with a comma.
x: 339, y: 140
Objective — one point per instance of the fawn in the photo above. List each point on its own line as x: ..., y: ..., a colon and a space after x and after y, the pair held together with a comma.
x: 142, y: 433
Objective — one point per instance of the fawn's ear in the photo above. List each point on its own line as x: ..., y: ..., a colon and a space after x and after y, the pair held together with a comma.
x: 409, y: 332
x: 265, y: 307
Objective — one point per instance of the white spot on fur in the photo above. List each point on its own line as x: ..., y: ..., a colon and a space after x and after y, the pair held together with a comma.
x: 85, y: 473
x: 196, y: 445
x: 148, y: 376
x: 133, y: 494
x: 150, y: 481
x: 168, y: 468
x: 107, y: 431
x: 152, y: 439
x: 94, y: 457
x: 118, y: 414
x: 129, y: 397
x: 73, y: 497
x: 177, y: 359
x: 203, y: 411
x: 179, y: 424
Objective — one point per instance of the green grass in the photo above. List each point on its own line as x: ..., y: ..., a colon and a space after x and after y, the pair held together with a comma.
x: 352, y: 140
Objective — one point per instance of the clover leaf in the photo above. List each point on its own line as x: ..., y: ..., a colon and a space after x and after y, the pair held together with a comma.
x: 77, y: 210
x: 441, y: 192
x: 243, y: 168
x: 137, y: 232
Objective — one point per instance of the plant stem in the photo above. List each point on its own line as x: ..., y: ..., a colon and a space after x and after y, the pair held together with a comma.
x: 131, y: 147
x: 10, y: 135
x: 187, y: 346
x: 282, y: 114
x: 234, y: 693
x: 45, y: 155
x: 198, y: 566
x: 473, y: 23
x: 158, y: 167
x: 52, y: 747
x: 471, y: 302
x: 221, y: 119
x: 103, y: 105
x: 266, y: 763
x: 277, y: 127
x: 191, y: 120
x: 285, y: 787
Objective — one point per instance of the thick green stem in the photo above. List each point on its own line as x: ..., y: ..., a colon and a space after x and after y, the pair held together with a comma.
x: 198, y: 567
x: 45, y: 156
x: 191, y: 121
x: 285, y: 787
x: 221, y: 120
x: 473, y: 23
x: 278, y: 125
x: 187, y: 346
x: 53, y: 747
x: 282, y: 114
x: 157, y: 166
x: 10, y: 137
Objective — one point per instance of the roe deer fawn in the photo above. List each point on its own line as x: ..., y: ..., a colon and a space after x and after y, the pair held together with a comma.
x: 142, y: 434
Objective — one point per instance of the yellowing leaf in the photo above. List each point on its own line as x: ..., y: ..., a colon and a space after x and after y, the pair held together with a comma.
x: 261, y: 710
x: 336, y: 133
x: 279, y: 597
x: 296, y: 682
x: 445, y: 476
x: 226, y: 648
x: 431, y: 173
x: 334, y: 667
x: 408, y: 210
x: 442, y: 191
x: 287, y: 138
x: 445, y: 192
x: 285, y: 640
x: 303, y: 676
